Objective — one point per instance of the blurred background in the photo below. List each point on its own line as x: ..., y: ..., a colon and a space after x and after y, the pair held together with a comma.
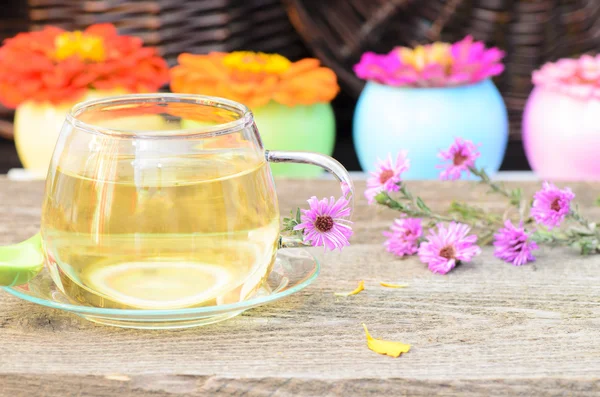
x: 337, y: 32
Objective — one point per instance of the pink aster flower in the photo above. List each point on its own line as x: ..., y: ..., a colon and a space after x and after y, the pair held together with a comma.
x: 325, y: 223
x: 513, y: 244
x: 403, y: 238
x: 346, y: 189
x: 551, y: 205
x: 446, y: 246
x: 387, y: 176
x: 460, y: 156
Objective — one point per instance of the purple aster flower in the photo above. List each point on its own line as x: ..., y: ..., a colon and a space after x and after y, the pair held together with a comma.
x: 403, y: 239
x: 551, y: 205
x: 513, y: 244
x: 325, y: 223
x: 446, y: 246
x: 387, y: 176
x: 461, y: 155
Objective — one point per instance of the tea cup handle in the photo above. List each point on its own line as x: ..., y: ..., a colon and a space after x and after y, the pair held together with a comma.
x: 327, y: 163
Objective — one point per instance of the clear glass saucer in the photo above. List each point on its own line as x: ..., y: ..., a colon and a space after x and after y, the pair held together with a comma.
x: 294, y: 269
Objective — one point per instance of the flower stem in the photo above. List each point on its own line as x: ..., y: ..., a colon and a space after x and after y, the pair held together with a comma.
x: 551, y: 238
x: 485, y: 179
x: 471, y: 214
x: 486, y: 238
x: 514, y: 196
x: 577, y: 217
x: 415, y: 208
x: 590, y: 227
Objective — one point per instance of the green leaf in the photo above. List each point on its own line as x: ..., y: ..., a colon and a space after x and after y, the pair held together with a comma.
x: 585, y: 250
x: 422, y: 206
x: 298, y: 216
x: 588, y: 246
x: 516, y: 195
x: 405, y: 193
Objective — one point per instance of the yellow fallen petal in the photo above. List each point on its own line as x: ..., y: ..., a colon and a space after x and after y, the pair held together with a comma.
x: 393, y: 349
x: 361, y: 287
x: 390, y: 285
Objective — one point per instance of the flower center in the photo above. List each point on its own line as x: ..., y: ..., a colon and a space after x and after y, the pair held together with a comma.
x: 422, y: 56
x: 87, y: 47
x: 385, y: 176
x: 256, y: 62
x: 324, y: 223
x: 555, y: 206
x: 459, y: 159
x: 448, y: 252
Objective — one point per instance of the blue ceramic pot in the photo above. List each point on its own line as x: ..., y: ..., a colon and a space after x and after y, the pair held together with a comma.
x: 425, y: 120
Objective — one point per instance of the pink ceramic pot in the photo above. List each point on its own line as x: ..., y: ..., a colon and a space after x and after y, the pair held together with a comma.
x: 561, y: 135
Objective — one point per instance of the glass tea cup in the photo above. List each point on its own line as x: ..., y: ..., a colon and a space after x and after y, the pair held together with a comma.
x: 164, y: 201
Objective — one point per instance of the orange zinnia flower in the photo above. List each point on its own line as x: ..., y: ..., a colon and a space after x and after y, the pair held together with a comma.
x: 55, y: 65
x: 254, y: 79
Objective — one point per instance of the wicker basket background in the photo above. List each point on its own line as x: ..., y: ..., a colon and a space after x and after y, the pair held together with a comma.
x: 338, y: 32
x: 531, y: 31
x: 176, y: 26
x: 173, y: 26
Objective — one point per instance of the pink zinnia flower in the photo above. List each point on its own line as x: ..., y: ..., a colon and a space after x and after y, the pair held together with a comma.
x: 577, y: 78
x: 387, y: 176
x: 472, y: 62
x: 379, y: 68
x: 403, y: 239
x: 324, y: 224
x: 551, y: 205
x: 432, y: 65
x: 513, y: 244
x: 447, y: 246
x: 460, y: 156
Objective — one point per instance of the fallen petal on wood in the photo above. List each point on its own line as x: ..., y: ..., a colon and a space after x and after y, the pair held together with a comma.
x: 361, y: 287
x: 391, y: 285
x: 393, y: 349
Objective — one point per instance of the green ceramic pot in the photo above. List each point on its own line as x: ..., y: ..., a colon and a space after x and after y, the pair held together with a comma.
x: 305, y: 128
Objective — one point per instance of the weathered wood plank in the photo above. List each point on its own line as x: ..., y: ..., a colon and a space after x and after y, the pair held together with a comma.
x: 19, y: 385
x: 486, y: 328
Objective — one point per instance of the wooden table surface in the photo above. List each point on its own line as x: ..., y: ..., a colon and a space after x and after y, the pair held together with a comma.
x: 487, y: 328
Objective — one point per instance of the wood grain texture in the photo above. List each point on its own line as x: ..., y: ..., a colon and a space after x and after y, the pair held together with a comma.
x: 487, y: 328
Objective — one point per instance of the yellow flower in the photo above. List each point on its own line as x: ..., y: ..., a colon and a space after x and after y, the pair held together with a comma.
x: 393, y: 349
x: 256, y: 62
x: 87, y: 47
x: 361, y: 287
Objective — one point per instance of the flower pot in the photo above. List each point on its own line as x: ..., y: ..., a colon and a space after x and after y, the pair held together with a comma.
x: 561, y: 135
x: 305, y: 128
x: 37, y: 125
x: 424, y: 121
